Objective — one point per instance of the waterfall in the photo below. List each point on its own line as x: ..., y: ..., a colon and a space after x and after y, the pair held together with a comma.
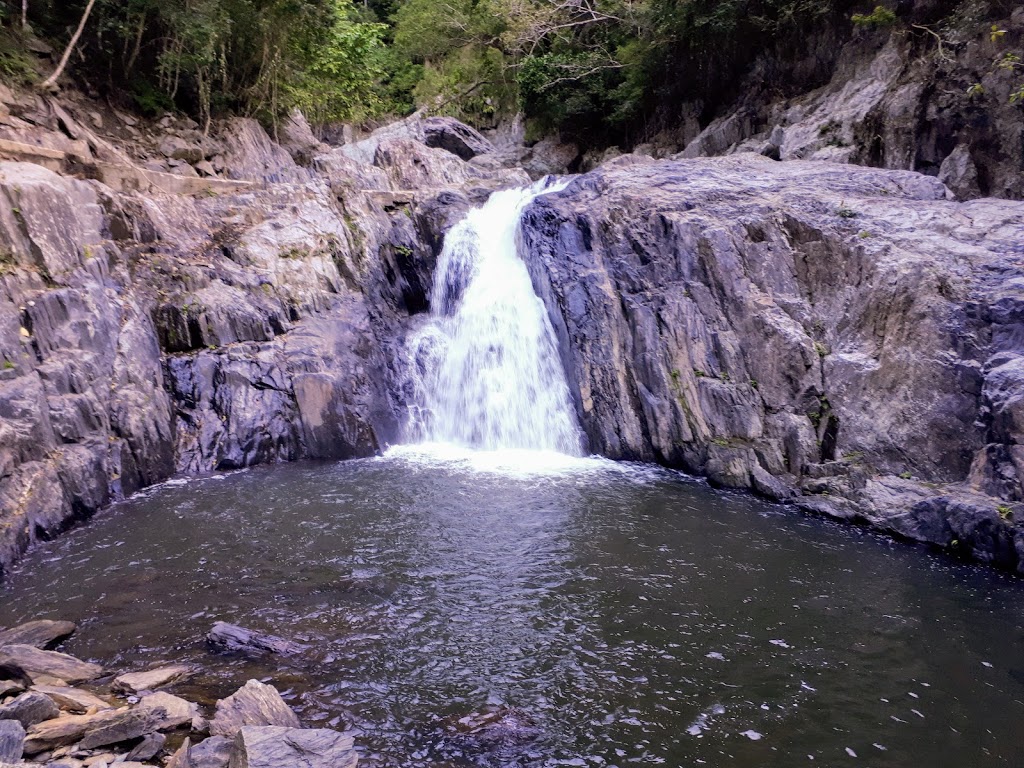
x: 486, y: 368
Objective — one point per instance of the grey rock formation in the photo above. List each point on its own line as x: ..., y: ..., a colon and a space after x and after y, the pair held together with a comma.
x: 12, y: 739
x: 803, y: 329
x: 29, y: 708
x: 270, y: 747
x: 888, y: 98
x: 255, y: 703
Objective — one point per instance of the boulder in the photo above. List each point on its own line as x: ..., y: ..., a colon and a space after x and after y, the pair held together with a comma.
x: 550, y: 156
x: 148, y: 748
x: 276, y: 747
x: 230, y: 637
x: 214, y: 752
x: 253, y: 704
x: 12, y: 739
x: 176, y: 148
x: 29, y: 708
x: 960, y: 174
x: 42, y: 634
x: 37, y: 663
x: 449, y: 134
x: 121, y: 726
x: 168, y: 712
x: 133, y: 682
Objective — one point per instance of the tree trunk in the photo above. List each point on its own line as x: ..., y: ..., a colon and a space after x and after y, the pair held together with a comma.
x: 24, y: 14
x: 52, y: 79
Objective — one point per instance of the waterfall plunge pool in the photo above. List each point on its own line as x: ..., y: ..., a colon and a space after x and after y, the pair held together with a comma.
x: 627, y: 615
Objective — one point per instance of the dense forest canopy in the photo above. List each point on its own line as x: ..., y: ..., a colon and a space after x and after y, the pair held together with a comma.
x: 590, y: 69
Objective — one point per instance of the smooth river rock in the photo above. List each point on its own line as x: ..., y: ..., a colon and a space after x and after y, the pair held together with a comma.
x: 42, y: 634
x: 50, y: 664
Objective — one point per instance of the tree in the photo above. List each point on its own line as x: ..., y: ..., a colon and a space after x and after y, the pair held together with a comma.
x: 52, y: 79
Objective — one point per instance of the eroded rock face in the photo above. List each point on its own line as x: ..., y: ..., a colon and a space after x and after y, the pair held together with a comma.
x: 803, y: 329
x: 147, y: 334
x: 891, y: 100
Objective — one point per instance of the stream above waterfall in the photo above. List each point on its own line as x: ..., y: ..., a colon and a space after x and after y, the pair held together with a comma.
x: 628, y: 614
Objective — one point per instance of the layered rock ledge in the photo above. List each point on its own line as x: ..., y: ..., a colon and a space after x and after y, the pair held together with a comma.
x: 846, y: 338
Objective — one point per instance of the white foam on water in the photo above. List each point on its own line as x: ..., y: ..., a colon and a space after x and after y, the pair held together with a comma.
x: 514, y: 462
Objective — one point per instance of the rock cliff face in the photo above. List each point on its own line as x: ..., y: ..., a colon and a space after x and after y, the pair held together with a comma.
x: 890, y: 97
x: 144, y: 334
x: 843, y: 337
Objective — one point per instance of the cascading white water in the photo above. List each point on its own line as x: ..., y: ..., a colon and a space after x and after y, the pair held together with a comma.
x: 486, y: 366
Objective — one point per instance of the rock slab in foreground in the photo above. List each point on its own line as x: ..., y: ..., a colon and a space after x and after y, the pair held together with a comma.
x: 66, y: 730
x: 254, y: 704
x: 275, y: 747
x: 41, y: 634
x: 39, y: 663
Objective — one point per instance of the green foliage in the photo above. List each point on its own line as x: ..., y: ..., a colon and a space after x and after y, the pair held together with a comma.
x: 254, y: 57
x: 16, y: 64
x: 879, y: 17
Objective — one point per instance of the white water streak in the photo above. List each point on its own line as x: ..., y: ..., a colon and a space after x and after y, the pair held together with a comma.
x: 486, y: 366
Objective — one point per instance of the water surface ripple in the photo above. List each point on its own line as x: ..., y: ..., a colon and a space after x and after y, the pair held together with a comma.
x: 629, y: 615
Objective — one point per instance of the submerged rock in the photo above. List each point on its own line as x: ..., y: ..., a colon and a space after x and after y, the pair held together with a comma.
x: 230, y: 637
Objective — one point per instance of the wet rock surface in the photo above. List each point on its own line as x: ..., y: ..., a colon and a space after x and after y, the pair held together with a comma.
x: 845, y: 337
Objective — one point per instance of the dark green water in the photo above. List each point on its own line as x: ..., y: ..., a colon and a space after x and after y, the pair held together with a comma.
x: 636, y: 616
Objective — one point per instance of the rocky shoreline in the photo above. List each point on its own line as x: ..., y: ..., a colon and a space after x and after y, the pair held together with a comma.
x: 61, y: 712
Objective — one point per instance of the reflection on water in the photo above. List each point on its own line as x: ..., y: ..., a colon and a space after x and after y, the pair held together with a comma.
x: 627, y: 615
